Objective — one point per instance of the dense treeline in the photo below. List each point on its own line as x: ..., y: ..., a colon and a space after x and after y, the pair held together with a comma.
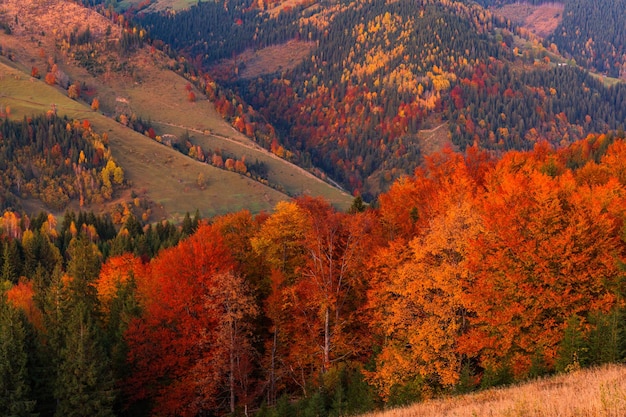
x: 61, y: 355
x: 594, y: 33
x: 325, y: 110
x: 379, y: 71
x: 382, y: 72
x: 210, y: 31
x: 496, y: 107
x: 470, y: 273
x: 55, y: 160
x: 355, y: 106
x: 387, y: 115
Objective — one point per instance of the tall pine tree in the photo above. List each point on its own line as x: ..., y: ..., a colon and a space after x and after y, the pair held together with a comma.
x: 85, y: 384
x: 15, y: 390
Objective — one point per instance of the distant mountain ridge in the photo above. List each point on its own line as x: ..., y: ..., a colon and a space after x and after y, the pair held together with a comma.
x: 593, y: 32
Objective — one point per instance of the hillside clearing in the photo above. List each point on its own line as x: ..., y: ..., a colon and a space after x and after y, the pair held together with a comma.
x: 165, y: 175
x: 149, y: 90
x: 599, y: 392
x: 541, y: 20
x: 268, y: 60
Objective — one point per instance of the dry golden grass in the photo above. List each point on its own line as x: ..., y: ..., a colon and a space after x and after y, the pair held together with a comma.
x: 268, y: 60
x: 434, y: 139
x: 597, y: 392
x: 282, y: 5
x: 167, y: 177
x: 158, y: 5
x: 54, y: 17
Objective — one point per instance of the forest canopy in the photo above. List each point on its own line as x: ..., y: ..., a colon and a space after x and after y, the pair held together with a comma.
x: 472, y: 272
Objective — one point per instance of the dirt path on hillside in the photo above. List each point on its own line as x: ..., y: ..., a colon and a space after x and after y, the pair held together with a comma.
x: 252, y: 146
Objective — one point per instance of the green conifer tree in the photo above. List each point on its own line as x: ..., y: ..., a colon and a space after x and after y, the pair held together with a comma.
x: 85, y: 384
x: 15, y: 391
x: 83, y: 268
x: 572, y: 350
x: 10, y: 262
x: 187, y: 227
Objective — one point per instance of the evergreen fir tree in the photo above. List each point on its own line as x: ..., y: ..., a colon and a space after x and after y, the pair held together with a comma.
x: 54, y: 307
x: 121, y: 244
x: 10, y: 262
x: 133, y: 226
x: 83, y: 267
x: 187, y: 228
x: 603, y: 339
x: 196, y: 220
x: 85, y: 384
x: 358, y: 206
x: 15, y: 390
x: 571, y: 352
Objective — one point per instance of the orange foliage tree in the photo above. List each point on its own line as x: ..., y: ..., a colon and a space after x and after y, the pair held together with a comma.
x: 280, y: 243
x: 548, y: 253
x: 21, y: 296
x: 115, y: 273
x: 331, y: 288
x: 418, y: 302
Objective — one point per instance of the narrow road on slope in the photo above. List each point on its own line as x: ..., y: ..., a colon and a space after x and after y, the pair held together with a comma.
x: 252, y: 146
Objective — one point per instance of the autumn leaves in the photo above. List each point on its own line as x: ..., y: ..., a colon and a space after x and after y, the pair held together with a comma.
x: 499, y: 264
x: 470, y: 268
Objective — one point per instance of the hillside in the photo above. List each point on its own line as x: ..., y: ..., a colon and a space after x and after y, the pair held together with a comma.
x: 589, y: 31
x: 383, y: 74
x: 599, y: 392
x: 138, y: 83
x: 540, y: 19
x: 476, y: 272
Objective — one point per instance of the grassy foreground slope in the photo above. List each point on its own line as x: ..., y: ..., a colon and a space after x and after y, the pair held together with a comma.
x: 599, y: 392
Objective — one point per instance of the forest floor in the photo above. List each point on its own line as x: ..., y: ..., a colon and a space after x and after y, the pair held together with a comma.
x: 598, y: 392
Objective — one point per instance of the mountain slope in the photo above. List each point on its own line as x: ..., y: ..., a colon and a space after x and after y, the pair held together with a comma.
x: 136, y: 83
x: 593, y: 32
x: 380, y: 75
x: 165, y: 176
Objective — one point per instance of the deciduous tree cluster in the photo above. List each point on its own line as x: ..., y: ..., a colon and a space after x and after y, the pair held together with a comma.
x: 473, y: 271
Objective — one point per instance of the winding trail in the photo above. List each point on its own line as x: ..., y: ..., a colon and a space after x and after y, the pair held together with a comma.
x: 255, y: 147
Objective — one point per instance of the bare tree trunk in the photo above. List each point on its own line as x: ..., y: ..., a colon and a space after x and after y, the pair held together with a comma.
x: 326, y: 340
x: 231, y: 377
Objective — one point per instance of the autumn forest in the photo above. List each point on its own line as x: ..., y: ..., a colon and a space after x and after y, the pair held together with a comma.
x: 420, y: 296
x: 485, y: 244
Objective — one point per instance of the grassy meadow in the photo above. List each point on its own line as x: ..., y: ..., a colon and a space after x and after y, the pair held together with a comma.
x: 161, y: 97
x: 158, y: 95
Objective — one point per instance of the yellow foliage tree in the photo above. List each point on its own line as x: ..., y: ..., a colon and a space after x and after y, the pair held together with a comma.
x: 424, y: 310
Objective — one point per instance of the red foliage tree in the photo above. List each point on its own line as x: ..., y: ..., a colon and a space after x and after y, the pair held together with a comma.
x: 174, y: 349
